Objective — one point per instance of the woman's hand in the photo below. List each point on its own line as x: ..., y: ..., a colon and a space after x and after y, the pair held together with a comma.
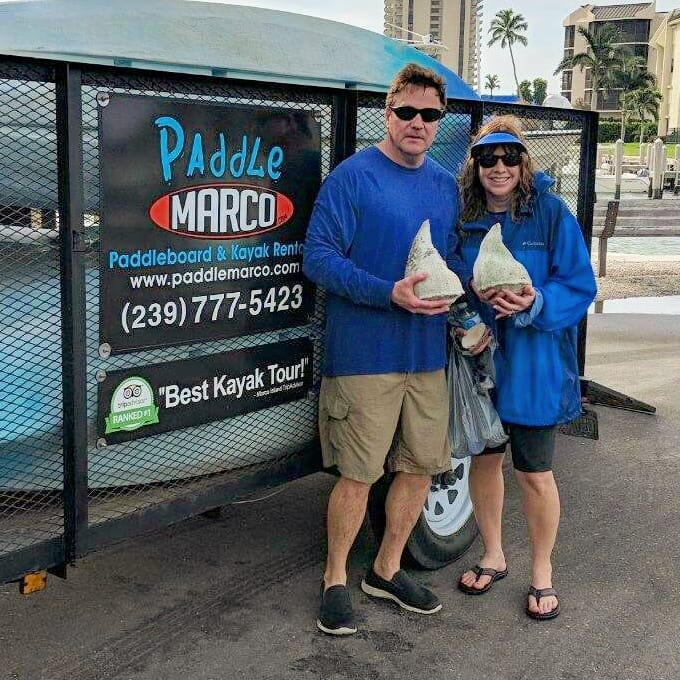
x: 480, y: 346
x: 486, y: 295
x: 506, y: 303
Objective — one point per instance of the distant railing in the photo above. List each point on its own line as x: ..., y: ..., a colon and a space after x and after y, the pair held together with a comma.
x: 633, y: 218
x: 650, y: 172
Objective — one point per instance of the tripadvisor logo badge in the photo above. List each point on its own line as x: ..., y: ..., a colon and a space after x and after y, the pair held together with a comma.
x: 132, y: 406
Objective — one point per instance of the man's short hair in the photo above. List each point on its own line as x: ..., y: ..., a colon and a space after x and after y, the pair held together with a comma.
x: 413, y: 74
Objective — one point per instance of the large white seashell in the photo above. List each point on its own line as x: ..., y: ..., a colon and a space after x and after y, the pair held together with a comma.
x: 441, y: 283
x: 495, y: 267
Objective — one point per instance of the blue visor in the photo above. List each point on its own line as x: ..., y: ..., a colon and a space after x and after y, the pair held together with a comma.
x: 498, y: 138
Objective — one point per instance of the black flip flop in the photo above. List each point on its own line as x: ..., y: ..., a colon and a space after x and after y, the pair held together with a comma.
x: 479, y: 572
x: 538, y: 593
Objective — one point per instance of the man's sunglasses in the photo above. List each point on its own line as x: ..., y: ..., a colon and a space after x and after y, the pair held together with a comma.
x: 410, y: 112
x: 488, y: 159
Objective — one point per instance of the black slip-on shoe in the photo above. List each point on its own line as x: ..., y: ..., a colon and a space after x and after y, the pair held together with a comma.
x: 403, y: 590
x: 335, y: 614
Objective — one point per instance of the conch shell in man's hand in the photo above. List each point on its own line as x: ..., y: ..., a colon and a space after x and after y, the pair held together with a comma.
x: 423, y: 258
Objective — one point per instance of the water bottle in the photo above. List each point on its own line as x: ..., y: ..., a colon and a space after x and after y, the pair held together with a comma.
x: 462, y: 315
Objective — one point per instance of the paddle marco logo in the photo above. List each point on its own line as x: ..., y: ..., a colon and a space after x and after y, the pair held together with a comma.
x: 221, y: 211
x: 229, y: 205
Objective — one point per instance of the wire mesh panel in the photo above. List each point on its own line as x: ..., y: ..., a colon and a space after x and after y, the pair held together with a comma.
x: 31, y: 467
x: 555, y: 141
x: 453, y: 134
x: 555, y: 137
x: 133, y: 475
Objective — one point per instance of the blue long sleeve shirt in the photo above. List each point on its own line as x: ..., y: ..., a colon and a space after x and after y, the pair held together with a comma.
x: 363, y: 223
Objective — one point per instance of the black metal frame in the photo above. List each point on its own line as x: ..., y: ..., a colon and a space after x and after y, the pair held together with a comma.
x: 230, y: 488
x: 70, y: 165
x: 79, y: 536
x: 586, y: 206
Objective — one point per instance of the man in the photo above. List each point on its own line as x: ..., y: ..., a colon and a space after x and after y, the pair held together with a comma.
x: 385, y: 348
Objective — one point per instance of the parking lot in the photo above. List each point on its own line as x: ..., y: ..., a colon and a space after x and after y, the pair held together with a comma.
x: 236, y: 597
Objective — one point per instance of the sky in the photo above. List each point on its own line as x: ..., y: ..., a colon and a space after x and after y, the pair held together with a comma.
x: 545, y: 33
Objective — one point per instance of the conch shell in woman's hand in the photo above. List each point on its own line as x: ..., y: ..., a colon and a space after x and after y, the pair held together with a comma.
x: 495, y: 267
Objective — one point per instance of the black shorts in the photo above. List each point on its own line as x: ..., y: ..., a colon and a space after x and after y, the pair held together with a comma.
x: 532, y: 447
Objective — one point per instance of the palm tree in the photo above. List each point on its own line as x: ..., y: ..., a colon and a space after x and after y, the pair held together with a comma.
x: 645, y: 101
x: 630, y: 74
x: 540, y: 90
x: 507, y: 28
x: 526, y: 96
x: 601, y: 57
x: 492, y: 83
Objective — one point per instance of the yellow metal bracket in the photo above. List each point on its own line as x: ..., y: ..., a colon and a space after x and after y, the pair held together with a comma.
x: 33, y: 582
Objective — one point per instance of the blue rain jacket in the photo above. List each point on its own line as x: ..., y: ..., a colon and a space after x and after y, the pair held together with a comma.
x: 536, y: 362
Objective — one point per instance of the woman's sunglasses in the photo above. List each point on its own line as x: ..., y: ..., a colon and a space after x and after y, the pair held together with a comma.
x: 486, y: 157
x: 410, y: 112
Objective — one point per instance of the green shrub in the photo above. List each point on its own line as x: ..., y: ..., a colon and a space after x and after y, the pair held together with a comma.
x: 610, y: 130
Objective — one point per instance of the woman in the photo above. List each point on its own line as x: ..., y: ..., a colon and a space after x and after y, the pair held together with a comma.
x: 537, y: 381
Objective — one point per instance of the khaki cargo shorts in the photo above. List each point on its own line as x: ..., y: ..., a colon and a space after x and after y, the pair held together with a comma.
x: 363, y: 418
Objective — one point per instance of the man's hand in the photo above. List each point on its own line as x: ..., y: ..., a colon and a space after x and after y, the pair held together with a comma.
x: 404, y: 296
x: 506, y: 303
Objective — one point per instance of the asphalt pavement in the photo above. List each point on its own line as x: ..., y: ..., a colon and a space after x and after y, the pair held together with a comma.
x: 237, y: 597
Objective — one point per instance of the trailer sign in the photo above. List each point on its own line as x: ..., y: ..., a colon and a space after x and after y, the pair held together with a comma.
x: 147, y: 400
x: 203, y: 219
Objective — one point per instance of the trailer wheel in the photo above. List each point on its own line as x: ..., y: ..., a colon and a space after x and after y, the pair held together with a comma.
x: 446, y: 527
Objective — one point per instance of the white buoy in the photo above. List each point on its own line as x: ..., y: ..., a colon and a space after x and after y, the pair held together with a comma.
x: 643, y: 153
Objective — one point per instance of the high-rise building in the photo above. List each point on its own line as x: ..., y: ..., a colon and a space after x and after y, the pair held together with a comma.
x: 635, y: 25
x: 448, y: 30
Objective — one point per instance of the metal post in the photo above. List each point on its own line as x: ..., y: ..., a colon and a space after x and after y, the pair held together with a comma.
x: 651, y: 163
x: 585, y: 207
x: 618, y: 166
x: 70, y: 173
x: 607, y: 233
x: 476, y: 117
x: 659, y: 167
x: 586, y: 187
x: 344, y: 123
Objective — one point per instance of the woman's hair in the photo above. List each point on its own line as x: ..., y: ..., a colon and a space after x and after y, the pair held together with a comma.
x: 472, y: 194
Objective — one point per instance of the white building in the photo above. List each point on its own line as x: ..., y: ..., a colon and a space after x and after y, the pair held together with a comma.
x: 665, y: 44
x: 635, y: 24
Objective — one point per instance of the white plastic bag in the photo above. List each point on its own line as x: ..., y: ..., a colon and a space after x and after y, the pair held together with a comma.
x: 473, y: 422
